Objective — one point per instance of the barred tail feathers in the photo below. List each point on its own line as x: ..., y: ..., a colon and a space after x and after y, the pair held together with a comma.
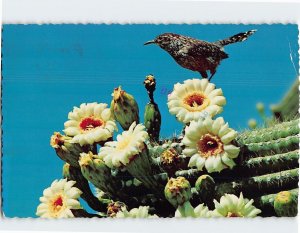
x: 236, y: 38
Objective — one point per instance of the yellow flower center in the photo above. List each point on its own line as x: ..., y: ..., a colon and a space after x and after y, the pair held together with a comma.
x: 196, y: 102
x: 123, y: 143
x: 233, y: 215
x: 209, y: 145
x: 89, y: 123
x: 283, y: 197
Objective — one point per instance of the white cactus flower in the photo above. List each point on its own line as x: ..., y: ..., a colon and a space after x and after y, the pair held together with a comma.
x: 129, y: 144
x: 233, y: 206
x: 195, y: 99
x: 208, y: 143
x: 90, y: 123
x: 59, y: 199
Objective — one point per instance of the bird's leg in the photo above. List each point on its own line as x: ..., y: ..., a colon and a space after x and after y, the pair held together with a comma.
x: 212, y: 73
x: 203, y: 74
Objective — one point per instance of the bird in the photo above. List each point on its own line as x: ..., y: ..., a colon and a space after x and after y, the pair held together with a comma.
x: 197, y: 55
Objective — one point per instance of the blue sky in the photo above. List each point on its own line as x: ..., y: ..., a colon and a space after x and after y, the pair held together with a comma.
x: 49, y: 69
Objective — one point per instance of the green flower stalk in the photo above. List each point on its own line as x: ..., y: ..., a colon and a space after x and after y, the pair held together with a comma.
x: 152, y: 120
x: 124, y: 108
x: 74, y: 173
x: 95, y: 170
x: 152, y: 116
x: 178, y: 191
x: 67, y: 151
x: 286, y: 204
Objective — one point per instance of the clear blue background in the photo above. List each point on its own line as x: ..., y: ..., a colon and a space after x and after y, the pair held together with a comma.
x: 51, y: 68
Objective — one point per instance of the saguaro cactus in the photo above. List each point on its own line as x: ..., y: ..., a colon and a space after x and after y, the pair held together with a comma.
x: 209, y: 169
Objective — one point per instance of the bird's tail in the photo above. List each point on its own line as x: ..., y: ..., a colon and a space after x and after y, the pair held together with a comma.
x: 236, y: 38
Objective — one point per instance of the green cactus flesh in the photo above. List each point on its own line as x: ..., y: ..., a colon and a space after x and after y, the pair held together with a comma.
x: 152, y: 121
x: 267, y: 165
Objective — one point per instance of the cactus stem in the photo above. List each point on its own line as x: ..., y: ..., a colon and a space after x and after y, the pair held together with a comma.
x: 266, y: 203
x: 82, y: 184
x: 271, y: 163
x: 260, y: 185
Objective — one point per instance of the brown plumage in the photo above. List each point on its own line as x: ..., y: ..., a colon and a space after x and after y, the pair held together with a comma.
x: 197, y: 55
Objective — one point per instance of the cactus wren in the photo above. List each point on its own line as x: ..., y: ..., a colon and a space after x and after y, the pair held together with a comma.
x: 197, y: 55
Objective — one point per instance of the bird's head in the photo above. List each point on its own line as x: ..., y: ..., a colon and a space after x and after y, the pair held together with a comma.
x: 164, y: 40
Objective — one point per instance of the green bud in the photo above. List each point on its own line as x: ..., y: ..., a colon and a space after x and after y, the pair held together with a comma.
x: 205, y: 183
x: 66, y: 171
x: 95, y: 171
x: 178, y: 191
x: 260, y: 108
x: 150, y: 83
x: 67, y: 151
x: 152, y: 121
x: 286, y: 204
x: 205, y: 186
x: 124, y: 108
x: 252, y: 124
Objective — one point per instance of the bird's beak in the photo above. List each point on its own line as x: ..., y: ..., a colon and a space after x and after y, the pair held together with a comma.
x: 150, y: 42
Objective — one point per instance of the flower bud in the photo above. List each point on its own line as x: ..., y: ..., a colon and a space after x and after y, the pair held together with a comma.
x: 67, y: 151
x: 205, y: 185
x: 178, y: 191
x: 286, y: 204
x: 114, y: 207
x: 260, y: 107
x: 252, y: 124
x: 205, y: 182
x: 66, y: 171
x: 124, y: 108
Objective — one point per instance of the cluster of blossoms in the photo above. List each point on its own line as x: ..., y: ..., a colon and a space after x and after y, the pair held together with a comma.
x: 208, y: 143
x: 178, y: 193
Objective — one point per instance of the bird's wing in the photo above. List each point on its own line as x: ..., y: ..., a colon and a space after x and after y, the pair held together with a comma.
x: 206, y: 50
